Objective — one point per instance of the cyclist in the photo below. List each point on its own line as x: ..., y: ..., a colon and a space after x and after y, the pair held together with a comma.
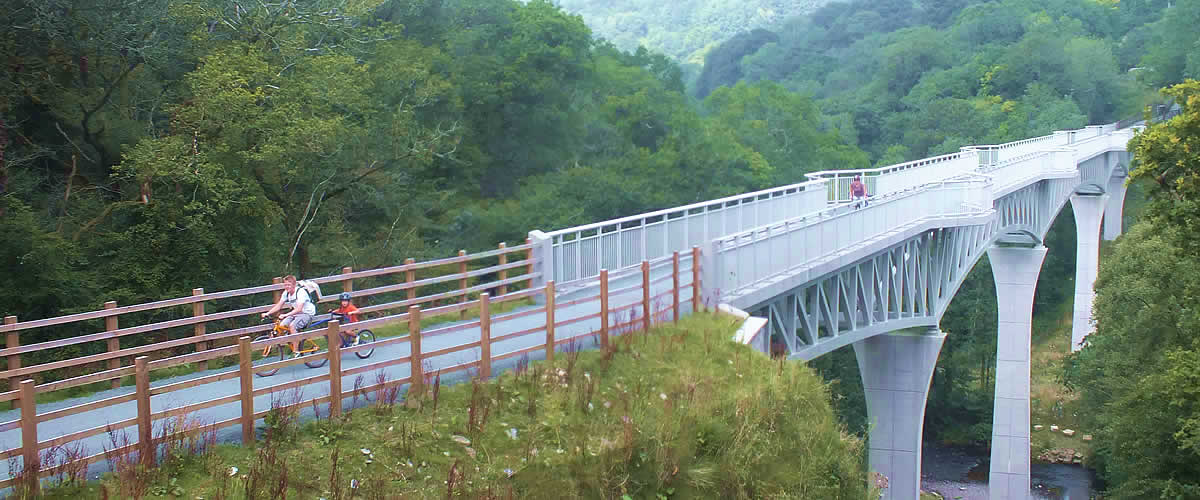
x: 302, y: 311
x: 348, y: 311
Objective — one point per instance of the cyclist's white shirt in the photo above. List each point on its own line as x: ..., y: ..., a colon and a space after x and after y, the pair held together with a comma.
x: 301, y: 299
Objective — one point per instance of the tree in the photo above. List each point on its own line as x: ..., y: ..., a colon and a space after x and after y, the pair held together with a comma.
x: 1136, y: 376
x: 517, y: 67
x: 784, y: 128
x: 1168, y: 155
x: 722, y: 66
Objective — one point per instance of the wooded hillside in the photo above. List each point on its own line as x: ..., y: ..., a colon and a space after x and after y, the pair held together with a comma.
x: 153, y: 146
x: 685, y: 29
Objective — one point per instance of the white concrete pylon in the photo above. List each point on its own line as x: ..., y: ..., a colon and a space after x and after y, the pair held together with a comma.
x: 896, y: 371
x: 1016, y: 271
x: 1113, y: 211
x: 1088, y: 210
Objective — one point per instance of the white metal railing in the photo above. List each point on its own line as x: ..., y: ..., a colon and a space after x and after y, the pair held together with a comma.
x: 1021, y: 170
x: 1087, y: 148
x: 991, y: 155
x: 580, y: 252
x: 749, y: 257
x: 895, y: 178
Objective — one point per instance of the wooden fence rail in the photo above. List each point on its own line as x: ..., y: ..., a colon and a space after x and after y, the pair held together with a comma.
x: 201, y: 339
x: 146, y: 445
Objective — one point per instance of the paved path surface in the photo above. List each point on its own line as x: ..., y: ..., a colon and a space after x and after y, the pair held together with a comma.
x: 207, y: 392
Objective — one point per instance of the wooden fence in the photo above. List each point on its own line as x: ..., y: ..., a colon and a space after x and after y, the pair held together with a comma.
x: 145, y: 447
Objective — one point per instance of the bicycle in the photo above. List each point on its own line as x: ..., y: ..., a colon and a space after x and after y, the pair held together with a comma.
x: 309, y: 346
x: 306, y: 347
x: 364, y: 336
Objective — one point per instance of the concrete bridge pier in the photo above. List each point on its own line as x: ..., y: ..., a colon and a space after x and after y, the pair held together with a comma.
x: 1113, y: 210
x: 896, y: 371
x: 1089, y: 209
x: 1016, y: 271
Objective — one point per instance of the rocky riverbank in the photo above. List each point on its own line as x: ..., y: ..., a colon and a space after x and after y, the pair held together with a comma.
x: 1061, y: 456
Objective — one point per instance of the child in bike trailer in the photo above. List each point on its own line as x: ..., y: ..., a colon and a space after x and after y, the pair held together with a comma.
x: 350, y: 312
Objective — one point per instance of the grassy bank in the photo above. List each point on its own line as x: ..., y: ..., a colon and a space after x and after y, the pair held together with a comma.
x: 1050, y: 402
x: 679, y: 413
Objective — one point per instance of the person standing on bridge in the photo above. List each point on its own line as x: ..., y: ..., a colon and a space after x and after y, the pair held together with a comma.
x: 303, y: 308
x: 858, y: 192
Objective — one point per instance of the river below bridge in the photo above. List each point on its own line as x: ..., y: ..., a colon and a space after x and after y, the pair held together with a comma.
x: 958, y: 473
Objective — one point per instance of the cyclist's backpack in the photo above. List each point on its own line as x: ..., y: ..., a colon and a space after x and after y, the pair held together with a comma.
x: 313, y: 289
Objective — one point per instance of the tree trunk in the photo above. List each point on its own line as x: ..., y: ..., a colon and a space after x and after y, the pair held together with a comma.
x: 3, y: 164
x: 305, y: 264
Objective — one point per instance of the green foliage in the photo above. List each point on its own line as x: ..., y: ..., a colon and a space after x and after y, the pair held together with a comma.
x: 40, y: 266
x: 935, y: 76
x: 1169, y: 46
x: 1137, y: 376
x: 1169, y: 155
x: 721, y: 65
x: 684, y: 30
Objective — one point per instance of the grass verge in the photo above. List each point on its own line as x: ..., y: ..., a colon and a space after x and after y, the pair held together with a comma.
x: 1051, y: 404
x: 679, y: 413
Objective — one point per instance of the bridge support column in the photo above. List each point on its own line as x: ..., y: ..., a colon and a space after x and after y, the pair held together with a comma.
x: 896, y: 370
x: 1088, y: 211
x: 543, y: 256
x: 1113, y: 210
x: 1016, y: 271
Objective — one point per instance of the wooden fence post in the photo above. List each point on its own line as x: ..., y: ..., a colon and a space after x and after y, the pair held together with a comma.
x: 675, y: 285
x: 277, y: 293
x: 529, y: 257
x: 13, y: 339
x: 550, y: 321
x: 462, y: 283
x: 409, y: 277
x: 415, y: 370
x: 29, y: 436
x: 696, y: 302
x: 347, y: 283
x: 485, y: 336
x: 199, y: 328
x: 604, y: 308
x: 245, y: 357
x: 114, y: 344
x: 645, y: 297
x: 503, y: 272
x: 144, y: 423
x: 334, y: 337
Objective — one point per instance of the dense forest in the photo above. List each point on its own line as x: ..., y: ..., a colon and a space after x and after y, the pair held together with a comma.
x: 153, y: 146
x: 683, y: 29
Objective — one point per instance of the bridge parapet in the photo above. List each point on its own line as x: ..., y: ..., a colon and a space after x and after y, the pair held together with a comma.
x: 899, y: 177
x: 570, y: 256
x: 1019, y: 171
x: 1088, y: 148
x: 743, y: 260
